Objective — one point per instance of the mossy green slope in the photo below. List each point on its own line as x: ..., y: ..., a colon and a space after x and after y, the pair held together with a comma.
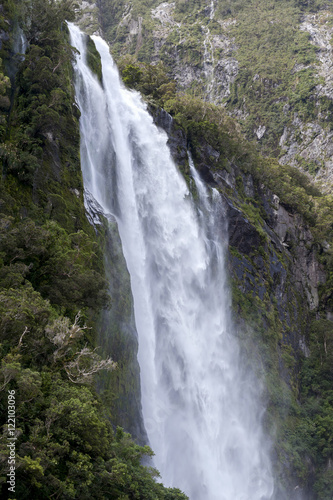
x: 276, y: 325
x: 251, y: 56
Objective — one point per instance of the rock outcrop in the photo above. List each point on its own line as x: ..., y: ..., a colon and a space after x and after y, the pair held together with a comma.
x: 287, y: 245
x: 205, y: 51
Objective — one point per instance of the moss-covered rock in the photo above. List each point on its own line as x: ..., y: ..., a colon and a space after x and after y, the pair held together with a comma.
x: 276, y: 275
x: 94, y: 59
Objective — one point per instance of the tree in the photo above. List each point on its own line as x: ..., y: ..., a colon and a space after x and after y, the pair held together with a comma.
x: 80, y: 364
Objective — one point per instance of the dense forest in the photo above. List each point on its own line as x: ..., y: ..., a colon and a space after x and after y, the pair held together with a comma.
x: 53, y: 286
x: 52, y: 282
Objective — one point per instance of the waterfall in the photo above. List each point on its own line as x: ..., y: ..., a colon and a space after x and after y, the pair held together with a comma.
x: 208, y: 63
x: 18, y: 50
x: 201, y: 410
x: 212, y: 9
x: 20, y: 42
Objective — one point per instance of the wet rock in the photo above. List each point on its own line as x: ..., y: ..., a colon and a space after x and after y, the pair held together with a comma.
x: 248, y: 186
x: 4, y: 37
x: 224, y: 177
x: 177, y: 140
x: 242, y: 234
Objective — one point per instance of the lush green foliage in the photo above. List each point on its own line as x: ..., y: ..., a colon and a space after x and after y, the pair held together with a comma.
x: 310, y: 426
x: 302, y: 430
x: 151, y: 80
x: 270, y: 45
x: 4, y: 99
x: 94, y: 59
x: 50, y: 266
x: 66, y: 447
x: 52, y: 286
x: 60, y: 266
x: 276, y: 75
x: 43, y: 117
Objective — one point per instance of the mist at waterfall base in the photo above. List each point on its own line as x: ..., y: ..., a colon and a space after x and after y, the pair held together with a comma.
x: 201, y: 410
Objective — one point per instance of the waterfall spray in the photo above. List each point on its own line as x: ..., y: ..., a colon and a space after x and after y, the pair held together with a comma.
x: 201, y: 410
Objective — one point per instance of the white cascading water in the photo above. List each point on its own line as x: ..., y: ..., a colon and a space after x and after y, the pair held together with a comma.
x: 208, y: 64
x: 200, y: 410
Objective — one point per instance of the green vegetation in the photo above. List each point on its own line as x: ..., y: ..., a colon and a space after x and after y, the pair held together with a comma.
x: 94, y: 59
x: 276, y: 76
x: 52, y: 285
x: 266, y: 336
x: 43, y: 118
x: 314, y: 428
x: 4, y: 99
x: 151, y: 80
x: 270, y: 45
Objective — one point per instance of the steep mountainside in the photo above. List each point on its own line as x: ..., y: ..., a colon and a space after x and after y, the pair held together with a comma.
x: 59, y: 438
x: 267, y: 62
x: 280, y: 268
x: 267, y: 66
x: 246, y: 87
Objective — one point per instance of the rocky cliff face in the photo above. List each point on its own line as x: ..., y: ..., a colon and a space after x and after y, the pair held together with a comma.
x: 87, y: 14
x: 116, y: 329
x: 269, y: 64
x: 308, y: 145
x: 275, y: 274
x: 283, y: 236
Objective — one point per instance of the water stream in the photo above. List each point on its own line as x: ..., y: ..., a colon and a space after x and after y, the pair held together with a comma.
x: 202, y: 412
x: 208, y: 56
x: 208, y: 64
